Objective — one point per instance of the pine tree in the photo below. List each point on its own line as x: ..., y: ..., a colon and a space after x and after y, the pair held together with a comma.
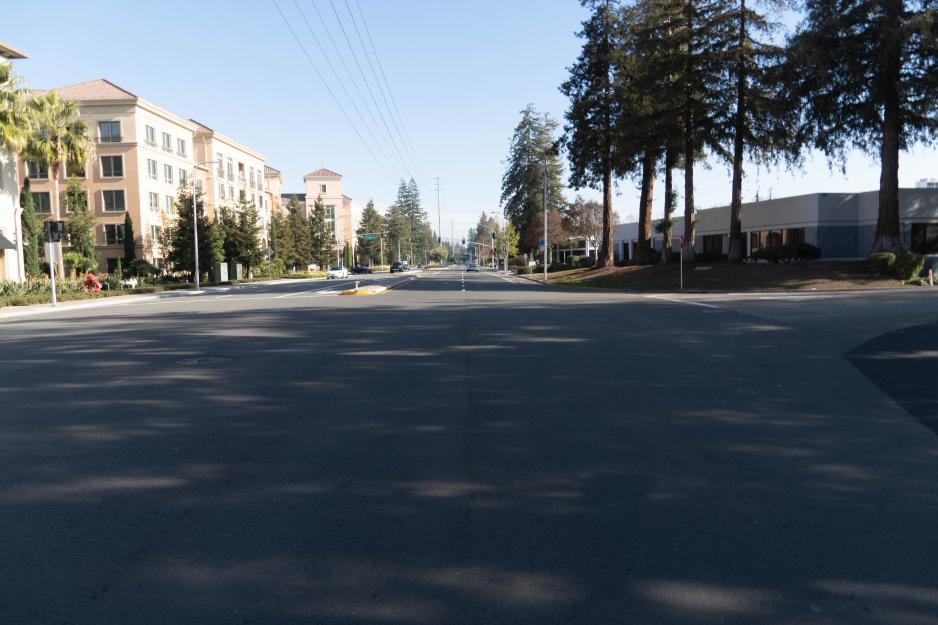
x: 321, y: 235
x: 251, y: 252
x: 594, y: 113
x: 369, y: 252
x: 80, y: 225
x: 32, y: 233
x: 130, y: 247
x: 397, y: 230
x: 177, y: 239
x: 865, y: 73
x: 532, y: 148
x: 281, y: 238
x: 300, y: 248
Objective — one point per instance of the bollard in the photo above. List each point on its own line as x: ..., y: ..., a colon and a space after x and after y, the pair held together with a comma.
x: 356, y: 285
x: 931, y: 277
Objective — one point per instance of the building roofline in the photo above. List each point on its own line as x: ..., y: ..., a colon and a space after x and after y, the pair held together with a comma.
x: 9, y: 52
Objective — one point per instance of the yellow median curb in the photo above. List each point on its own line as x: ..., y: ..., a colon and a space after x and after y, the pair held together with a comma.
x: 372, y: 289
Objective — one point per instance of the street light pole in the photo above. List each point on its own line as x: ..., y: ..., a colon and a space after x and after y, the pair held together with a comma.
x: 195, y: 221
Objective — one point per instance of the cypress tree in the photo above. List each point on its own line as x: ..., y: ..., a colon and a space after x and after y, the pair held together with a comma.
x: 32, y: 233
x: 130, y: 246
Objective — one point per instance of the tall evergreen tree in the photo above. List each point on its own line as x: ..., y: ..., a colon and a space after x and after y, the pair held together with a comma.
x: 281, y: 238
x: 594, y: 113
x: 531, y: 150
x: 32, y: 233
x: 866, y: 74
x: 761, y: 121
x: 300, y: 246
x: 177, y: 239
x: 321, y: 235
x: 369, y: 252
x: 130, y: 243
x: 80, y: 225
x: 251, y: 253
x: 397, y: 228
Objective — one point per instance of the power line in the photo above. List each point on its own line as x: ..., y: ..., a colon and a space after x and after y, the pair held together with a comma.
x: 329, y: 90
x: 385, y: 78
x: 404, y: 139
x: 351, y: 77
x: 387, y: 129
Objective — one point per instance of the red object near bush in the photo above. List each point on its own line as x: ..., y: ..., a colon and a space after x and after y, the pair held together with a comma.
x: 91, y: 283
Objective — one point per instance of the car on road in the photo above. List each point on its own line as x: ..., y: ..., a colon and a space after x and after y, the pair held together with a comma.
x: 358, y: 270
x: 336, y: 272
x: 472, y: 267
x: 420, y: 266
x: 398, y: 266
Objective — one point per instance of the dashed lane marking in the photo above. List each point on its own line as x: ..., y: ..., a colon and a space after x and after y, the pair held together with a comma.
x: 681, y: 301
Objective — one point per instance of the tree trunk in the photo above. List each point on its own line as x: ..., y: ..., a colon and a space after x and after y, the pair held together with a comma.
x: 645, y: 207
x: 888, y: 238
x: 668, y: 204
x: 736, y: 251
x: 690, y: 217
x: 605, y: 257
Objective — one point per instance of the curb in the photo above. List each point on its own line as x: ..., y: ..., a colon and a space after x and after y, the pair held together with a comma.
x: 373, y: 289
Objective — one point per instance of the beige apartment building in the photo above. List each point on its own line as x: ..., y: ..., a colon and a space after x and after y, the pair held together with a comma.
x: 342, y: 212
x: 11, y: 235
x: 142, y: 155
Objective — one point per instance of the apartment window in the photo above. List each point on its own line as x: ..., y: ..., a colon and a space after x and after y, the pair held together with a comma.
x: 183, y: 177
x: 151, y: 169
x: 251, y: 177
x: 113, y: 234
x: 221, y: 191
x: 181, y: 147
x: 41, y: 202
x: 112, y: 166
x: 240, y: 171
x: 230, y: 169
x: 169, y: 204
x: 78, y: 171
x: 151, y: 135
x: 253, y: 200
x: 231, y: 192
x: 154, y: 202
x: 330, y: 211
x: 167, y: 142
x: 322, y: 188
x: 925, y: 238
x: 242, y: 195
x: 221, y: 164
x: 168, y: 173
x: 155, y: 234
x: 38, y: 170
x: 109, y: 132
x: 113, y: 201
x: 198, y: 186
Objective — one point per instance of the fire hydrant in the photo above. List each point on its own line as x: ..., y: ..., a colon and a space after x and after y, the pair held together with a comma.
x: 91, y: 283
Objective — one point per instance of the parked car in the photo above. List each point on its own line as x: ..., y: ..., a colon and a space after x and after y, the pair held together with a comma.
x: 420, y: 266
x: 472, y: 267
x: 359, y: 269
x: 336, y: 272
x: 398, y: 266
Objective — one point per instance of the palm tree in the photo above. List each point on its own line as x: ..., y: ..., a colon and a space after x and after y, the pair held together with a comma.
x: 14, y: 123
x: 59, y: 138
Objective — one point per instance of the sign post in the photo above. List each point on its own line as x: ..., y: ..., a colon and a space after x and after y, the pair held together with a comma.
x: 54, y: 230
x: 682, y: 262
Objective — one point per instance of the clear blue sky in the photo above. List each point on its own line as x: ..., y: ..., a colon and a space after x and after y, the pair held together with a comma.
x: 459, y: 71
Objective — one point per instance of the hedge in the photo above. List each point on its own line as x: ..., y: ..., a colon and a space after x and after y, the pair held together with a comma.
x: 883, y: 264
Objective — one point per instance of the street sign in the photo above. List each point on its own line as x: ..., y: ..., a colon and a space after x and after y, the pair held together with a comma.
x: 540, y: 242
x: 370, y: 237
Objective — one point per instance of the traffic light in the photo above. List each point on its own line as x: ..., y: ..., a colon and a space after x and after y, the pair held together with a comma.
x: 54, y: 230
x: 493, y: 236
x: 464, y: 241
x: 439, y: 240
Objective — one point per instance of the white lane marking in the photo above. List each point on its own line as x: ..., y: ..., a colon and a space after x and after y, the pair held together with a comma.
x: 681, y: 301
x: 311, y: 291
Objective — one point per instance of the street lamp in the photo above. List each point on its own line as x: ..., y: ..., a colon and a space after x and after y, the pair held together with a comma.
x: 195, y: 222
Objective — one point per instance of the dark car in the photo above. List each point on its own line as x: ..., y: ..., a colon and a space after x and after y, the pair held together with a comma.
x: 358, y: 270
x: 398, y: 266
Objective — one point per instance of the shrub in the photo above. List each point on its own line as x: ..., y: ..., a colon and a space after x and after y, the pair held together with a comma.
x: 654, y: 256
x: 519, y: 261
x: 76, y: 263
x: 269, y: 269
x: 883, y: 263
x: 141, y: 268
x: 909, y: 266
x: 805, y: 251
x: 587, y: 261
x: 524, y: 270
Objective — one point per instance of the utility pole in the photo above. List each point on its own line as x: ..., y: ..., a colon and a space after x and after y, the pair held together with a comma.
x: 439, y: 215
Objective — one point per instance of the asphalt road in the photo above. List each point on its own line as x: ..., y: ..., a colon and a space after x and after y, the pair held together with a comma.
x: 470, y: 449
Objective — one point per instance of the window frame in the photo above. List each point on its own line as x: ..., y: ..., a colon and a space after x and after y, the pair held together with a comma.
x: 37, y: 204
x: 111, y: 159
x: 115, y: 193
x: 110, y: 126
